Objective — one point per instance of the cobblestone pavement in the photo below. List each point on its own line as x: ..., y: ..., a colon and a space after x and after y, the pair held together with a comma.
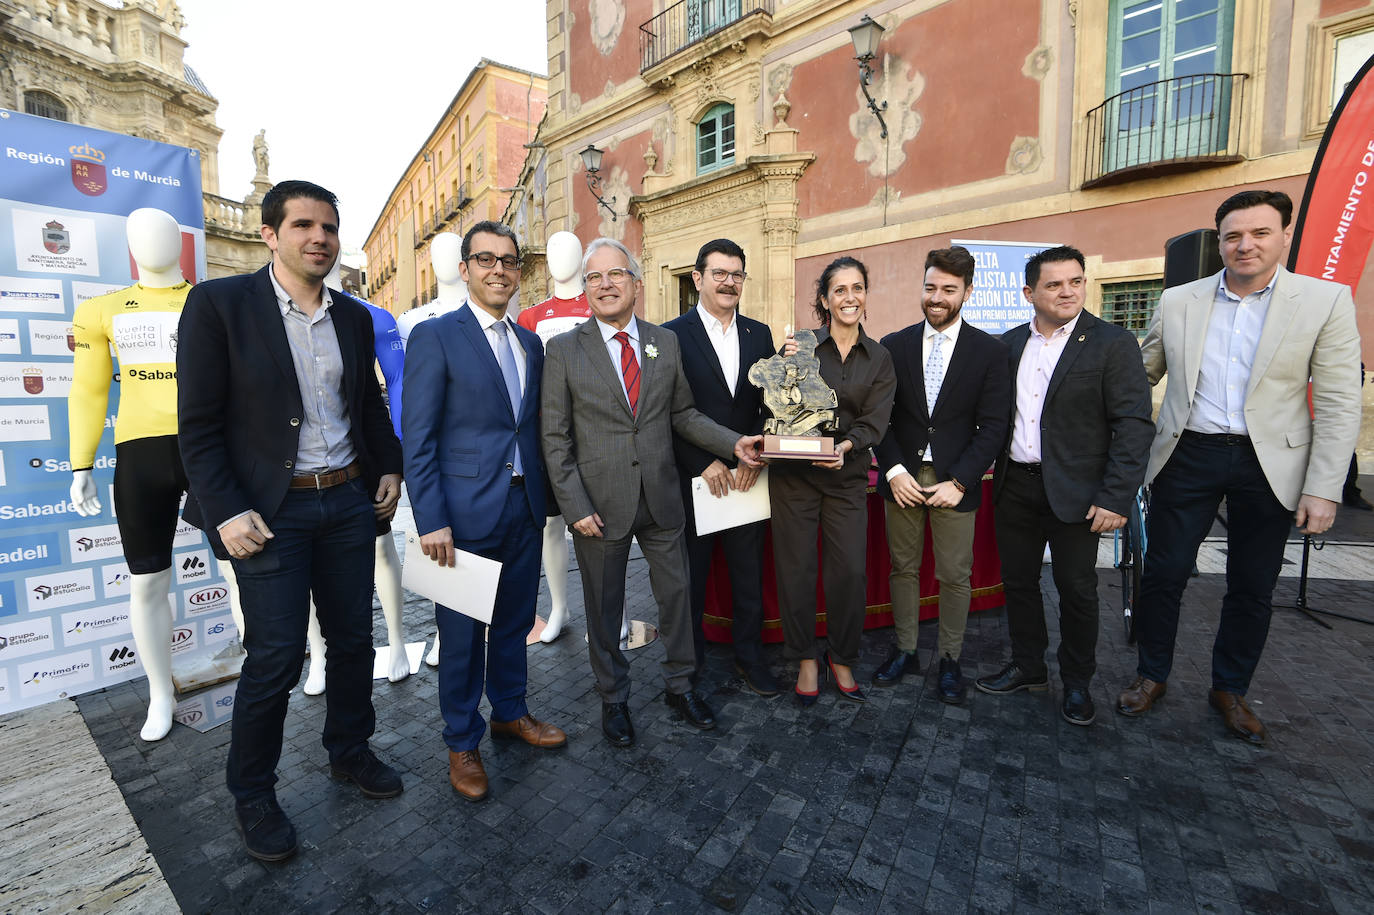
x: 903, y: 804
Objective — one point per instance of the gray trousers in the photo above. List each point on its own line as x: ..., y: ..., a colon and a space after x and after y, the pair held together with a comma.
x: 602, y: 563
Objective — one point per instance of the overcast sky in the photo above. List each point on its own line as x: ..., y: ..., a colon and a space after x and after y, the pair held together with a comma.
x: 347, y: 90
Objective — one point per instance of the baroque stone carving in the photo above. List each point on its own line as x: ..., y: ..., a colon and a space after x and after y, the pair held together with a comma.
x: 1025, y: 156
x: 608, y: 17
x: 779, y: 79
x: 781, y: 231
x: 1038, y: 63
x: 900, y: 85
x: 781, y: 108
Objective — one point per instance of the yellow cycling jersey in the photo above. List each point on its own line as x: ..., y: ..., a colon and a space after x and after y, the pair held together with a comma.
x: 141, y: 322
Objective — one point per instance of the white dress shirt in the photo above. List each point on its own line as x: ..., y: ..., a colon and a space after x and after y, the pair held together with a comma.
x: 1228, y: 355
x: 487, y: 322
x: 947, y: 349
x: 1038, y: 361
x: 613, y: 349
x: 725, y: 341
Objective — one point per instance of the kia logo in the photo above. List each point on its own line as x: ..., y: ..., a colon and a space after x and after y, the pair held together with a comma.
x: 208, y: 595
x: 181, y: 634
x: 191, y: 716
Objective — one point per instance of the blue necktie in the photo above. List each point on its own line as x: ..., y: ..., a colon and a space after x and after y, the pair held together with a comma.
x: 935, y: 372
x: 505, y: 357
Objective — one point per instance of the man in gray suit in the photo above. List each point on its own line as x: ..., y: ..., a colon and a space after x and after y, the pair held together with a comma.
x: 613, y: 395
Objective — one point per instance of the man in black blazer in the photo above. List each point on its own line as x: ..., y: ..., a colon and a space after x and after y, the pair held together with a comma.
x: 1080, y: 435
x: 292, y: 459
x: 949, y: 421
x: 719, y: 345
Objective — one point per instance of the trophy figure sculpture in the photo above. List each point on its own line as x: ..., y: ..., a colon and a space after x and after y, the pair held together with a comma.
x: 804, y: 407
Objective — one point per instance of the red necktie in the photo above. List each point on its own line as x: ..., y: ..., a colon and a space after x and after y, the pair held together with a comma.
x: 629, y: 368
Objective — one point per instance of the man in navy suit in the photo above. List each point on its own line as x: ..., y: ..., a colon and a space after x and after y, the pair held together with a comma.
x: 718, y: 347
x: 949, y: 421
x: 292, y: 461
x: 470, y: 419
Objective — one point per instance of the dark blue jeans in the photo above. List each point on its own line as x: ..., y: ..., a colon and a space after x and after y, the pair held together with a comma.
x: 1183, y: 502
x: 323, y: 544
x: 473, y: 656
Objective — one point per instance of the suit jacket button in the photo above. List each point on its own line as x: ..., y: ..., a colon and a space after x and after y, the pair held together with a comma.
x: 510, y: 466
x: 930, y: 430
x: 288, y: 465
x: 634, y: 463
x: 295, y: 421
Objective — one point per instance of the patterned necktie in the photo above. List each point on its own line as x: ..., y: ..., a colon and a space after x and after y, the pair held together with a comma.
x: 629, y: 369
x: 505, y: 357
x: 935, y: 372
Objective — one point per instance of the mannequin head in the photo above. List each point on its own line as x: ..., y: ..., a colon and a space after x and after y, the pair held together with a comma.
x: 155, y: 243
x: 446, y: 256
x: 563, y: 253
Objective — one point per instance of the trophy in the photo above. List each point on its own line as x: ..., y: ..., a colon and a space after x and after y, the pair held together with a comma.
x: 804, y: 407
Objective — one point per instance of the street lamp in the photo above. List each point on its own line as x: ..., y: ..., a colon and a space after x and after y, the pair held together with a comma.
x: 866, y: 36
x: 591, y: 160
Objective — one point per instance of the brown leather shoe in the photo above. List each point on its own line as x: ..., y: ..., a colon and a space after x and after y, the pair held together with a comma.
x: 1138, y: 698
x: 466, y: 774
x: 1240, y: 721
x: 532, y: 731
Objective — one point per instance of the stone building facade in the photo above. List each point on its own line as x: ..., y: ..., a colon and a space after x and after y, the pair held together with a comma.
x: 462, y: 174
x: 122, y: 69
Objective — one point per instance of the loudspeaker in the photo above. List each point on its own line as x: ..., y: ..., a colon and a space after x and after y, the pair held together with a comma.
x: 1191, y: 256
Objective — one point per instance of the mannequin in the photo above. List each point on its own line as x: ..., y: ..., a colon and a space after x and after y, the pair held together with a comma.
x: 387, y: 568
x: 141, y: 322
x: 565, y: 310
x: 445, y: 255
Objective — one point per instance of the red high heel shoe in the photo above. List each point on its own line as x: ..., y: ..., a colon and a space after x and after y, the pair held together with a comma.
x: 853, y: 693
x: 808, y: 699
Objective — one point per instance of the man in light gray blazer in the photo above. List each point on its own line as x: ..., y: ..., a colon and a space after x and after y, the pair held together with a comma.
x: 613, y: 395
x: 1239, y: 349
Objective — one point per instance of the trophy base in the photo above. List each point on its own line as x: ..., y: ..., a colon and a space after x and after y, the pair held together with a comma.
x: 799, y: 447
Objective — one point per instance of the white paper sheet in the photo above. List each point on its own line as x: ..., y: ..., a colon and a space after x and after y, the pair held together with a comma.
x: 381, y: 664
x: 468, y: 587
x: 732, y: 509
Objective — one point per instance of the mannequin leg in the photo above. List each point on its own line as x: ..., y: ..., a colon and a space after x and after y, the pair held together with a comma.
x: 388, y: 579
x: 556, y: 574
x: 226, y: 571
x: 432, y: 659
x: 150, y: 616
x: 314, y: 681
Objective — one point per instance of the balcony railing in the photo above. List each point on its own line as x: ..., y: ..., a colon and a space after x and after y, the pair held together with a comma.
x: 1174, y: 125
x: 689, y: 21
x: 464, y: 194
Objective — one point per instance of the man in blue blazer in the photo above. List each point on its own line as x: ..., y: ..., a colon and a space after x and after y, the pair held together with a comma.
x: 292, y: 462
x: 470, y: 418
x: 718, y: 346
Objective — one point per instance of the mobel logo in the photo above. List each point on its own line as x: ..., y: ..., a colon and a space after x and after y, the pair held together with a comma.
x: 88, y: 170
x: 56, y: 238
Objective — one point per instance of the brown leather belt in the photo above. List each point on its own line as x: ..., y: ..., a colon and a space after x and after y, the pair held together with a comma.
x: 327, y: 480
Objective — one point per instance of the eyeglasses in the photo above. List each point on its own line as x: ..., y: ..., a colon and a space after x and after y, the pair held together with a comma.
x: 719, y: 275
x: 615, y: 275
x: 486, y: 260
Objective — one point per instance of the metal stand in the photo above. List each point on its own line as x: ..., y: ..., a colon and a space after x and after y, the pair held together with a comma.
x: 1300, y: 604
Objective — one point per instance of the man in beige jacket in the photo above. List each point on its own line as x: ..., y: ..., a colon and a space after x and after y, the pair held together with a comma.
x: 1240, y: 348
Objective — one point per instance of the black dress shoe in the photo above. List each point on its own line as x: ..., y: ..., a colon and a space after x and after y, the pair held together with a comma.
x: 758, y: 678
x: 615, y: 724
x: 267, y: 834
x: 372, y: 776
x: 951, y: 685
x: 1010, y: 679
x: 1078, y: 706
x: 693, y: 708
x: 897, y: 665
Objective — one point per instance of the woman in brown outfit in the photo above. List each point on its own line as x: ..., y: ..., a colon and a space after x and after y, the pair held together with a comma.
x: 831, y: 495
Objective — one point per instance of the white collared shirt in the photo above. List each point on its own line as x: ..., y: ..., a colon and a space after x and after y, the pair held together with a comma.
x: 1038, y: 362
x: 613, y: 349
x: 1228, y: 355
x: 725, y: 341
x: 487, y: 323
x: 946, y: 348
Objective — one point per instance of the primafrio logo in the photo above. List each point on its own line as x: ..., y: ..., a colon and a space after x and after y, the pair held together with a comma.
x: 56, y: 675
x: 89, y: 625
x: 88, y: 170
x: 56, y: 238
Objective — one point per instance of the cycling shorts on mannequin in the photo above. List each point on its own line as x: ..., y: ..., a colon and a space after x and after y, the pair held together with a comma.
x: 148, y: 485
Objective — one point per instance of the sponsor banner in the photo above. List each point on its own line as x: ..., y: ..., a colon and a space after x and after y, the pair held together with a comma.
x: 119, y: 660
x: 6, y: 692
x: 31, y: 552
x: 30, y: 636
x: 55, y: 677
x: 184, y: 638
x: 996, y: 304
x: 206, y: 600
x: 219, y: 629
x: 192, y: 566
x: 9, y: 337
x: 60, y: 589
x: 66, y: 192
x: 96, y: 623
x: 24, y: 422
x: 31, y: 296
x: 51, y: 338
x: 208, y: 709
x: 186, y: 533
x: 100, y: 542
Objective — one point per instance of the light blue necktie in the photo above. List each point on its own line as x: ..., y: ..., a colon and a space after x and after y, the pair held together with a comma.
x: 935, y: 372
x: 505, y: 357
